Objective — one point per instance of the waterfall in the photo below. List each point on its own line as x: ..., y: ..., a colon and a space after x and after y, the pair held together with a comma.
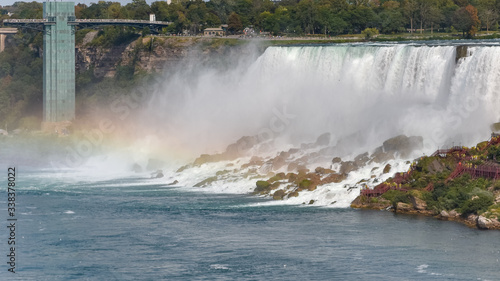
x: 373, y: 91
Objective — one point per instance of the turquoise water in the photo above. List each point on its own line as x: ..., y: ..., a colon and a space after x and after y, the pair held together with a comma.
x: 128, y: 229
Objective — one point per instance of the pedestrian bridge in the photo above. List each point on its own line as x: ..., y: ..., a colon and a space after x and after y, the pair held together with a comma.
x: 38, y: 24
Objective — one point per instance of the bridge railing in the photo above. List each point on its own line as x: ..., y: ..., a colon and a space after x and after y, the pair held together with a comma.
x: 121, y: 21
x: 27, y: 21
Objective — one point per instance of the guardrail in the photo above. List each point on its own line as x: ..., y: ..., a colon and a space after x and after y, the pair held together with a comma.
x: 89, y: 21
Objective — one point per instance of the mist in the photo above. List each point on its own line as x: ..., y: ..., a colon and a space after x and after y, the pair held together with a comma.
x: 291, y: 95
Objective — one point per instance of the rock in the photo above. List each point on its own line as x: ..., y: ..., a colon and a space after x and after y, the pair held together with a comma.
x: 387, y: 169
x: 305, y: 183
x: 444, y: 214
x: 485, y: 223
x: 461, y: 52
x: 181, y: 169
x: 379, y: 156
x: 157, y: 175
x: 254, y: 161
x: 174, y: 182
x: 279, y: 194
x: 347, y: 167
x: 323, y: 140
x: 495, y: 127
x: 136, y: 168
x: 403, y: 207
x: 262, y: 186
x: 223, y: 172
x: 361, y: 160
x: 471, y: 220
x: 336, y: 178
x: 207, y: 158
x: 418, y: 203
x: 323, y: 171
x: 293, y: 194
x: 403, y: 144
x: 292, y: 166
x: 320, y: 170
x: 311, y: 202
x: 206, y: 182
x: 241, y: 146
x: 453, y: 214
x: 482, y: 222
x: 336, y: 160
x: 436, y: 167
x: 279, y: 161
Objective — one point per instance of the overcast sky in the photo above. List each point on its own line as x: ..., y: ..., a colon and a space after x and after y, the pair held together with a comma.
x: 87, y: 2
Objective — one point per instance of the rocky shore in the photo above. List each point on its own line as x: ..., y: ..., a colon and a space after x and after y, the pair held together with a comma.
x: 459, y: 184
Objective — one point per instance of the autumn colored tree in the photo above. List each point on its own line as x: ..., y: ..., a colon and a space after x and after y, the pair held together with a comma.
x: 466, y: 20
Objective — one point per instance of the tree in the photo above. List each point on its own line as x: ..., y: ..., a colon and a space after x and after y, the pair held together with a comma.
x: 361, y: 17
x: 488, y: 17
x: 392, y: 21
x: 424, y: 7
x: 410, y: 11
x: 466, y: 20
x: 435, y: 17
x: 234, y: 23
x: 138, y: 9
x: 307, y: 12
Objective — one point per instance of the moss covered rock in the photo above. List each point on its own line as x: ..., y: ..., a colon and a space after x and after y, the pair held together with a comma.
x: 262, y: 186
x: 279, y: 194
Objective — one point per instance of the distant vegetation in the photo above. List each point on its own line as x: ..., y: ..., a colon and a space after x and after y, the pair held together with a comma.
x: 293, y: 17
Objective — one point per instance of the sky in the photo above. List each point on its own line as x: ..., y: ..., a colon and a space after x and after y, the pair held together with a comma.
x: 87, y: 2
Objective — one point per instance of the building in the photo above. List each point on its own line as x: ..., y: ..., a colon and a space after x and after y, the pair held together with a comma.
x: 216, y: 31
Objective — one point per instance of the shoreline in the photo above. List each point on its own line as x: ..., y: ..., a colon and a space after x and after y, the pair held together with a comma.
x: 473, y: 221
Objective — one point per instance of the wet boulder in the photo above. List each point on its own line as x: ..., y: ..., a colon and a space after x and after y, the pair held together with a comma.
x: 361, y: 160
x: 241, y: 146
x: 403, y: 144
x: 347, y: 167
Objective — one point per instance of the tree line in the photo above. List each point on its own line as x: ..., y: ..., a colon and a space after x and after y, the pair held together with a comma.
x: 294, y: 17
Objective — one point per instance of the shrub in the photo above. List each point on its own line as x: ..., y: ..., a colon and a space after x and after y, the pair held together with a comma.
x: 369, y: 33
x: 477, y: 204
x: 396, y: 196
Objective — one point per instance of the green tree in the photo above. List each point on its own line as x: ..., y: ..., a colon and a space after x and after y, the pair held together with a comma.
x: 307, y: 11
x: 138, y: 9
x: 234, y: 23
x: 392, y: 21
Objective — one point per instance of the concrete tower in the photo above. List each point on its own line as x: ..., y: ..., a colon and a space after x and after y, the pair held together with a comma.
x: 58, y: 63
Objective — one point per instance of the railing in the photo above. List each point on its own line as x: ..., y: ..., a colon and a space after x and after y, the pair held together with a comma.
x: 380, y: 189
x: 445, y: 152
x: 38, y: 21
x: 481, y: 171
x: 121, y: 21
x: 25, y: 21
